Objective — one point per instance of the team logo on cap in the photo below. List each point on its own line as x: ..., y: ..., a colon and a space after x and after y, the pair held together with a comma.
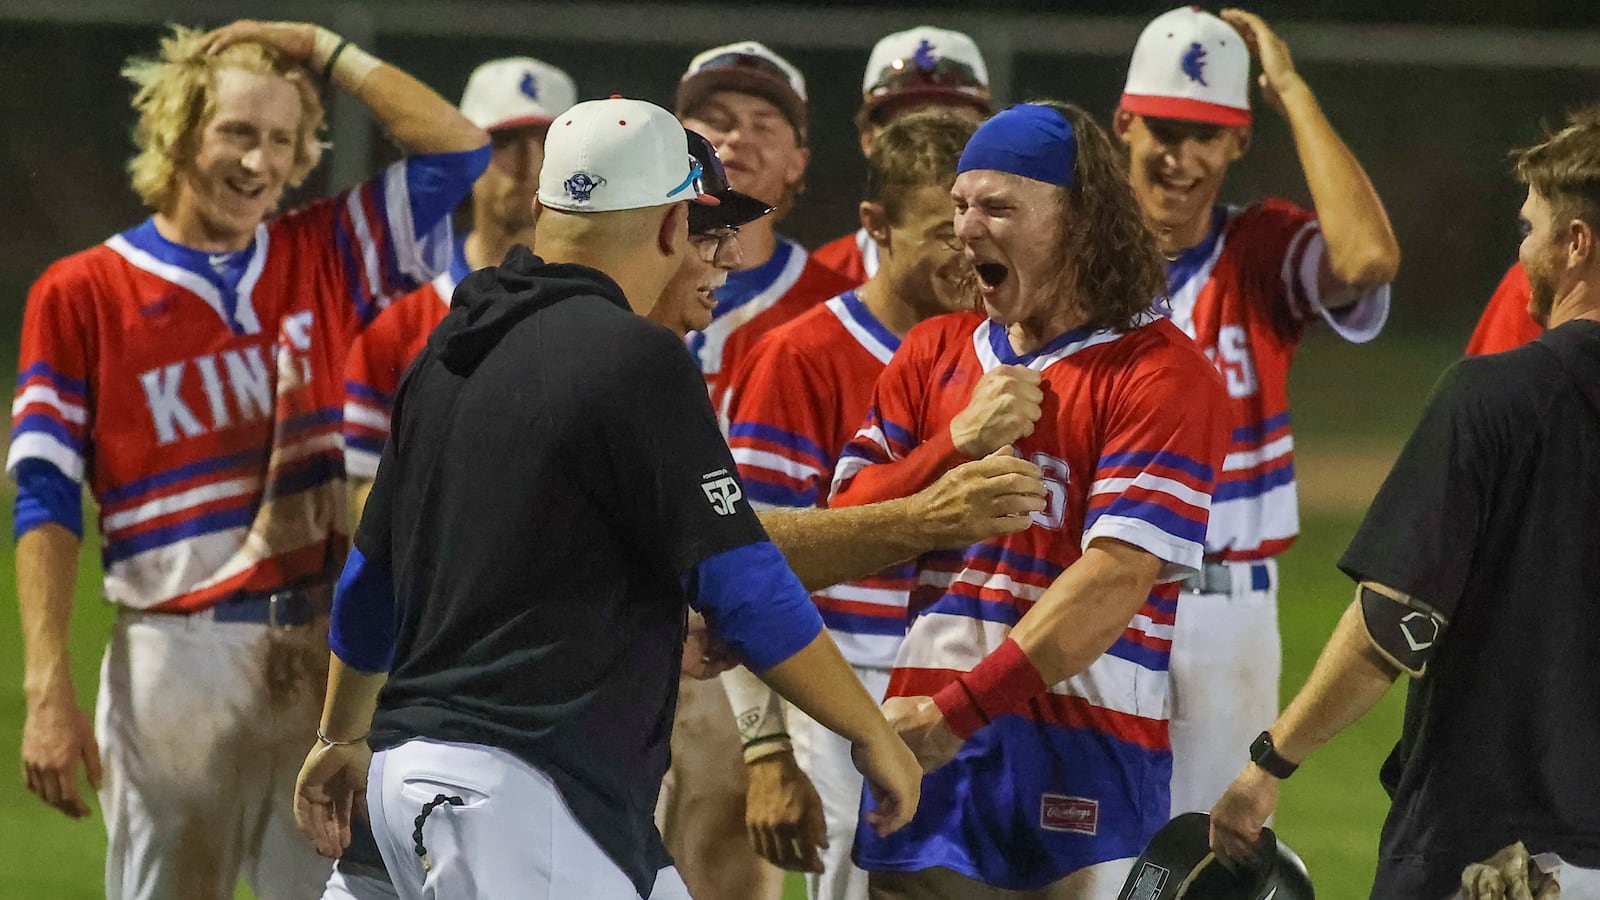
x: 926, y: 56
x: 529, y: 86
x: 581, y: 185
x: 1194, y: 63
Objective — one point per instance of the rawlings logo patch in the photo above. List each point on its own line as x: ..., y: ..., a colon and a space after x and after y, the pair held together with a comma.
x: 1079, y: 815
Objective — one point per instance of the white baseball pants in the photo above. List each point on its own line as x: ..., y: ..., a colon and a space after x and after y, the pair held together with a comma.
x: 513, y: 835
x: 1226, y: 662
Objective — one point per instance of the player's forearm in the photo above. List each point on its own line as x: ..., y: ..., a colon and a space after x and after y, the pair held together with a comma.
x: 819, y: 681
x: 757, y: 712
x: 47, y: 572
x: 829, y: 546
x: 1362, y: 250
x: 1349, y: 679
x: 1086, y: 609
x: 412, y: 114
x: 902, y: 477
x: 351, y: 701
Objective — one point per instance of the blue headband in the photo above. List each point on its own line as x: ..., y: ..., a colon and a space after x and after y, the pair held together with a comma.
x: 1027, y: 139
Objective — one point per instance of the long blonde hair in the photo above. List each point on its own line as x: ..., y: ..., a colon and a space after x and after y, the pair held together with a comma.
x: 177, y: 97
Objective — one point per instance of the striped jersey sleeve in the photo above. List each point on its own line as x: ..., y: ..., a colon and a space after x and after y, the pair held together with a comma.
x: 777, y: 430
x: 49, y: 414
x: 1153, y: 481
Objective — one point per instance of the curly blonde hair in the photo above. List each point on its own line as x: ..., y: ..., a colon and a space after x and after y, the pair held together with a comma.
x: 176, y: 98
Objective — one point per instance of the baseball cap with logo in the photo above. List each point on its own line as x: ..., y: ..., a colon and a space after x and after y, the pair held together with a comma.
x: 925, y: 62
x: 506, y: 93
x: 1189, y: 64
x: 615, y: 154
x: 748, y: 67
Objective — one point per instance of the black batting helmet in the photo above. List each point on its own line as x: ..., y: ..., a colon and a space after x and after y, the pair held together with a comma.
x: 1178, y: 865
x: 719, y: 205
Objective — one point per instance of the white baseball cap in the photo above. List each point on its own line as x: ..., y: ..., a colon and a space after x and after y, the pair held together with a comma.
x: 1189, y: 64
x: 521, y: 90
x: 605, y: 155
x: 749, y: 67
x: 926, y: 62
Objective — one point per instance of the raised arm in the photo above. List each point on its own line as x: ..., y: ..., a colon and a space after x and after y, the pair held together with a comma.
x: 1362, y: 251
x: 413, y: 114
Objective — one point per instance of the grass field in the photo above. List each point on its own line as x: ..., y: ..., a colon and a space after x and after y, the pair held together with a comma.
x: 1352, y: 410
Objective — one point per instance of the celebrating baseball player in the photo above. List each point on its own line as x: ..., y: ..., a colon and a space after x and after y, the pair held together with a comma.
x: 796, y: 403
x: 1032, y: 682
x: 1245, y: 283
x: 919, y: 68
x: 514, y: 100
x: 187, y: 372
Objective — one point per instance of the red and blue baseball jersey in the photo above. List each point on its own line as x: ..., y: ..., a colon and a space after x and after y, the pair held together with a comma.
x: 752, y: 303
x: 204, y: 414
x: 1246, y: 295
x: 1506, y: 323
x: 795, y: 404
x: 380, y: 355
x: 855, y: 256
x: 1132, y: 431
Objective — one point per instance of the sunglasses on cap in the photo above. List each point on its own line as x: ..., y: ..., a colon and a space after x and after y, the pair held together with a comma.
x: 903, y: 74
x: 747, y: 61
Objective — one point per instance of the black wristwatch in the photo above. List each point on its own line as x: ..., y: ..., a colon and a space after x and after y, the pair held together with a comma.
x: 1265, y: 755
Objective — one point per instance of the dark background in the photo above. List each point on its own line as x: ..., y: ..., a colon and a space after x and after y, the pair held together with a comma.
x: 1433, y: 136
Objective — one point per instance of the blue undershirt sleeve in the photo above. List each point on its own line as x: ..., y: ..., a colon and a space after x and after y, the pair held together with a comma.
x: 754, y: 601
x: 361, y: 629
x: 437, y: 182
x: 44, y: 495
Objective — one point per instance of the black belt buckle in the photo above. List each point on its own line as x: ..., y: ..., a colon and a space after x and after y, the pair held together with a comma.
x: 288, y: 609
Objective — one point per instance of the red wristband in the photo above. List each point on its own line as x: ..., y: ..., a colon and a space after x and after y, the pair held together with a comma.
x: 1000, y: 684
x: 960, y: 713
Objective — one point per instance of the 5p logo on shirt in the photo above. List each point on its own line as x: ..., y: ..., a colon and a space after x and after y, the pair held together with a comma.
x: 722, y: 490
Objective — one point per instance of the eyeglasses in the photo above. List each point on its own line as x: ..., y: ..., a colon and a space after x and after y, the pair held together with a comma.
x: 745, y: 61
x: 714, y: 242
x: 915, y: 72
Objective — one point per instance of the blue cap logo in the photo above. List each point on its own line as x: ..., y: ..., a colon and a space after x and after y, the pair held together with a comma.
x: 925, y: 57
x: 1194, y: 63
x: 529, y: 86
x: 581, y: 185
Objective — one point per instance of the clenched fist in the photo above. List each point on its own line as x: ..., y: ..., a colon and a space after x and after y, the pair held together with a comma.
x: 1005, y: 404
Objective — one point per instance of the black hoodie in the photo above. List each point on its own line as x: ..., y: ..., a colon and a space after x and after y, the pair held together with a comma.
x: 540, y: 504
x: 1491, y: 516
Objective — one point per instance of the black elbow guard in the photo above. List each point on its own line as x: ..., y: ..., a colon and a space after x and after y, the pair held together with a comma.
x: 1402, y: 629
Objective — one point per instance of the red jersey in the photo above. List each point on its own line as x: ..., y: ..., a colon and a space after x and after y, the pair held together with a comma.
x: 798, y: 400
x: 204, y: 415
x: 1132, y: 432
x: 380, y: 356
x: 855, y: 256
x: 1246, y: 296
x: 1506, y: 323
x: 752, y: 303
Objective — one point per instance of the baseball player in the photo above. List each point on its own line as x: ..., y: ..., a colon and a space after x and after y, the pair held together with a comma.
x: 798, y: 400
x: 514, y: 100
x: 751, y: 104
x: 527, y: 669
x: 919, y: 68
x: 1032, y: 682
x: 1506, y: 322
x: 1245, y: 283
x: 187, y: 372
x: 1475, y: 573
